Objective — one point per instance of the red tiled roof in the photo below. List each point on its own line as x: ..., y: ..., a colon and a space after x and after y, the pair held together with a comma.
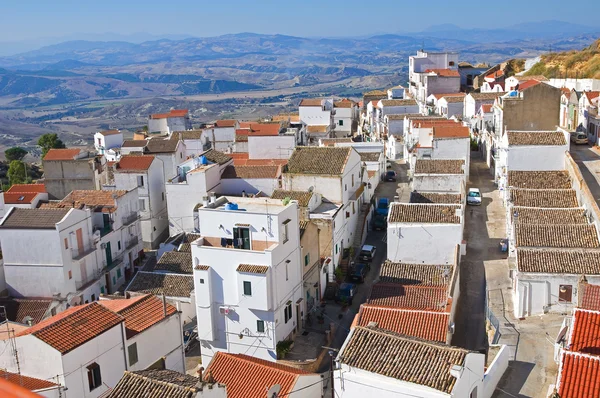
x: 74, y: 327
x: 591, y: 95
x: 27, y: 188
x: 134, y: 163
x: 417, y: 297
x: 140, y: 313
x: 528, y: 84
x: 422, y: 324
x: 589, y: 297
x: 62, y: 154
x: 172, y: 113
x: 449, y: 131
x: 444, y: 72
x: 109, y: 132
x: 17, y: 198
x: 579, y: 375
x: 258, y: 129
x: 495, y: 75
x: 248, y: 377
x: 487, y: 108
x: 225, y: 123
x: 30, y: 383
x: 311, y: 102
x: 585, y: 333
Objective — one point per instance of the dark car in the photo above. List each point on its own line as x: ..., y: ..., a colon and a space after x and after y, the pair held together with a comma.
x: 358, y: 272
x: 367, y: 253
x: 390, y: 175
x: 379, y: 222
x: 345, y: 293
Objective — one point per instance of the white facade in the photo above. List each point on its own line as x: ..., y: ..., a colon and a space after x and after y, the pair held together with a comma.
x: 442, y: 183
x: 239, y: 186
x: 220, y: 138
x: 576, y: 84
x: 449, y: 109
x: 317, y: 115
x: 344, y: 118
x: 255, y: 293
x: 168, y: 125
x: 103, y: 141
x: 533, y: 157
x: 271, y: 147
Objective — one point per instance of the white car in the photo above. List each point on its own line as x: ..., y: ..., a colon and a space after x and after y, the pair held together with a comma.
x: 474, y: 197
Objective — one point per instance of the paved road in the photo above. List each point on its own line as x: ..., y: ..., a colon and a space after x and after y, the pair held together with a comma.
x: 588, y: 160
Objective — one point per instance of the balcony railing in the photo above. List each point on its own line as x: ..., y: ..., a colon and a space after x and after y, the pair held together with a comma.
x: 130, y: 218
x: 79, y: 284
x: 113, y: 263
x: 132, y: 242
x: 77, y: 254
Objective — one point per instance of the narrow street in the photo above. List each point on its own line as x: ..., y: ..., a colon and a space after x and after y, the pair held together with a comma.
x: 588, y: 160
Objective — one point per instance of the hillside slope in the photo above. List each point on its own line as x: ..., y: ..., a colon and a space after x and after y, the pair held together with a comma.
x: 577, y: 64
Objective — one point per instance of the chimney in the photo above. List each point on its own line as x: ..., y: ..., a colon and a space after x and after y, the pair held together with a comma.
x: 205, y: 201
x: 200, y: 372
x: 213, y: 197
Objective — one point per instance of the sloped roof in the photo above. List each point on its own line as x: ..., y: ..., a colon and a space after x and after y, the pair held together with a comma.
x: 434, y: 197
x: 74, y: 326
x: 17, y: 188
x: 559, y: 261
x: 62, y: 154
x: 249, y: 377
x: 311, y: 102
x: 251, y: 172
x: 14, y: 198
x: 444, y: 72
x: 578, y: 375
x: 320, y: 128
x: 398, y: 102
x: 134, y: 144
x: 172, y: 285
x: 486, y: 96
x: 344, y: 103
x: 589, y: 297
x: 162, y: 145
x: 426, y: 325
x: 567, y: 236
x: 539, y: 179
x: 450, y: 131
x: 17, y: 309
x: 533, y: 215
x: 557, y: 198
x: 303, y: 197
x: 439, y: 166
x: 319, y: 160
x: 536, y: 138
x: 253, y: 268
x: 155, y: 383
x: 134, y: 163
x: 29, y: 383
x: 217, y: 156
x: 171, y: 113
x: 109, y: 132
x: 226, y: 123
x: 415, y: 274
x: 402, y: 357
x: 585, y: 332
x: 176, y: 262
x: 34, y: 218
x: 416, y: 297
x: 369, y: 156
x: 423, y: 213
x: 92, y: 198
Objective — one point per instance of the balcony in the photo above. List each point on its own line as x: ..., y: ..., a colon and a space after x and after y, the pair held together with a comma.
x: 130, y: 218
x: 132, y: 242
x: 113, y: 263
x: 88, y: 280
x: 77, y: 254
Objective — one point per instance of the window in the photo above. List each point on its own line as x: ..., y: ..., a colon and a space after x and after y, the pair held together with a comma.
x: 133, y: 354
x: 118, y: 272
x: 473, y: 393
x: 94, y: 377
x: 565, y: 293
x: 287, y: 275
x: 352, y: 179
x: 345, y: 187
x: 142, y: 204
x: 288, y: 311
x: 341, y: 122
x: 140, y: 181
x: 70, y: 275
x: 102, y: 289
x: 93, y: 298
x: 336, y: 249
x: 306, y: 259
x: 66, y: 243
x: 201, y: 281
x: 180, y: 155
x: 163, y: 196
x: 119, y: 245
x: 285, y: 233
x: 260, y: 326
x: 247, y: 288
x: 451, y: 63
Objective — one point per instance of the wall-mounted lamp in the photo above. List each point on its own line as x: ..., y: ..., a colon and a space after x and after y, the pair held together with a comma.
x: 263, y: 229
x: 221, y: 226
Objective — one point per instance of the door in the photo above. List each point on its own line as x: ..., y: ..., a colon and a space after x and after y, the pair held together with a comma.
x: 108, y: 255
x: 241, y: 238
x: 79, y: 236
x: 298, y: 318
x: 565, y: 293
x: 106, y: 219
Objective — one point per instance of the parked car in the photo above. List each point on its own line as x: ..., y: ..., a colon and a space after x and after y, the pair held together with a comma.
x: 345, y: 293
x: 358, y: 272
x: 379, y: 222
x: 367, y: 253
x: 383, y: 206
x: 579, y: 138
x: 474, y: 197
x: 389, y: 175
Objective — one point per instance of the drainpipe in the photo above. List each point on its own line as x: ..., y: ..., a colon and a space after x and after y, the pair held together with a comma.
x: 124, y: 344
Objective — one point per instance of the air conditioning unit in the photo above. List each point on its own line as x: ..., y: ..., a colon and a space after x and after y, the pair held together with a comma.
x: 225, y: 310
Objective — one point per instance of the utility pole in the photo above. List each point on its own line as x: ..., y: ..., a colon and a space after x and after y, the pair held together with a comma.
x: 331, y: 372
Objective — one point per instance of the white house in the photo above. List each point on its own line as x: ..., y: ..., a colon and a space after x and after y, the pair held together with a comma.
x: 439, y: 175
x: 346, y: 117
x: 396, y: 92
x: 271, y: 146
x: 419, y: 65
x: 405, y: 367
x: 41, y: 388
x: 221, y: 136
x: 588, y: 103
x: 105, y: 140
x: 166, y: 123
x: 146, y: 174
x: 513, y: 82
x: 396, y: 107
x: 247, y: 275
x: 246, y: 376
x: 24, y: 196
x: 240, y: 180
x: 317, y: 112
x: 425, y: 233
x: 474, y: 101
x: 451, y: 105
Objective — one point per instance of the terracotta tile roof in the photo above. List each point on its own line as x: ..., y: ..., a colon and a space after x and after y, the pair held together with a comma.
x: 423, y: 213
x: 589, y: 297
x: 218, y: 157
x: 453, y: 99
x: 249, y: 377
x: 375, y: 92
x: 496, y: 74
x: 109, y: 132
x: 533, y: 215
x: 444, y: 72
x: 401, y: 116
x: 559, y: 261
x: 486, y: 96
x: 190, y: 134
x: 226, y: 123
x: 171, y: 113
x: 398, y: 102
x: 416, y: 297
x: 539, y: 78
x: 369, y: 156
x: 431, y: 122
x: 558, y: 198
x: 252, y: 268
x: 539, y: 179
x: 251, y: 172
x: 172, y: 285
x: 415, y: 274
x: 162, y: 145
x: 92, y: 198
x: 17, y: 309
x: 404, y: 358
x: 29, y: 383
x: 134, y: 163
x: 591, y: 95
x: 536, y: 138
x: 333, y: 141
x: 567, y: 236
x: 321, y: 128
x: 432, y: 197
x: 487, y: 108
x: 16, y: 188
x: 303, y: 224
x: 15, y: 198
x: 303, y: 197
x: 259, y: 162
x: 440, y: 96
x: 62, y: 154
x: 585, y: 332
x: 311, y: 102
x: 578, y: 375
x: 344, y: 103
x: 74, y: 326
x: 449, y: 131
x: 422, y: 324
x: 439, y: 166
x: 134, y: 144
x: 527, y: 84
x: 34, y: 218
x: 319, y: 160
x: 139, y: 313
x: 176, y: 262
x: 155, y: 383
x: 241, y: 137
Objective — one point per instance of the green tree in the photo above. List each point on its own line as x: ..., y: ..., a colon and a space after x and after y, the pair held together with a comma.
x: 17, y: 173
x: 15, y: 153
x: 49, y: 141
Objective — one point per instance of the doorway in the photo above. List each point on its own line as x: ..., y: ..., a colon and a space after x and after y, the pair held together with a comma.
x: 108, y: 254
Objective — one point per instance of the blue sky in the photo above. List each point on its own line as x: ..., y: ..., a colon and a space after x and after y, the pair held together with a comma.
x: 34, y: 19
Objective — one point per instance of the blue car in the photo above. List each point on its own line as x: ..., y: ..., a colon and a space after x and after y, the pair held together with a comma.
x: 383, y: 206
x: 345, y: 293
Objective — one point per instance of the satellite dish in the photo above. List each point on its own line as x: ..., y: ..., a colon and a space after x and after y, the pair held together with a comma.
x: 73, y: 300
x: 311, y: 188
x: 273, y: 392
x: 27, y: 321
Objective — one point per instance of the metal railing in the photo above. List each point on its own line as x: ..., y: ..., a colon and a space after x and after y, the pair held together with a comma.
x: 132, y: 242
x: 90, y: 278
x: 130, y: 218
x: 77, y: 254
